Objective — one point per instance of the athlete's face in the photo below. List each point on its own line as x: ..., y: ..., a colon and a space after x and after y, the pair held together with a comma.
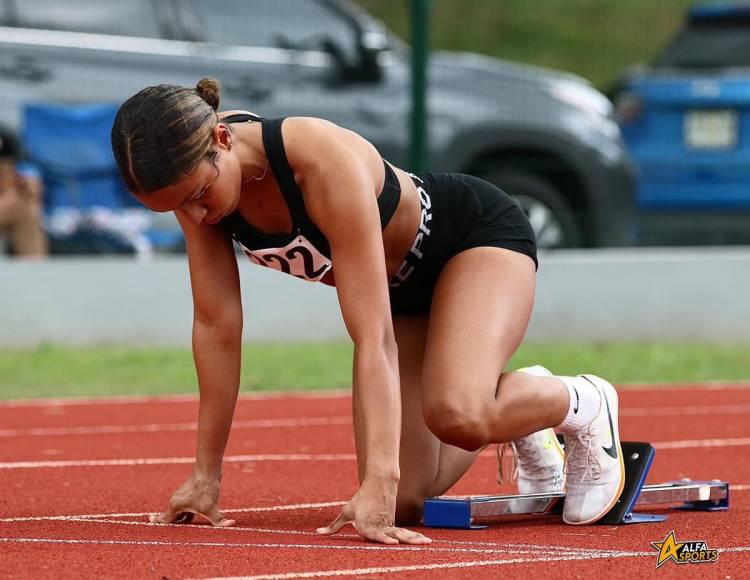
x: 207, y: 194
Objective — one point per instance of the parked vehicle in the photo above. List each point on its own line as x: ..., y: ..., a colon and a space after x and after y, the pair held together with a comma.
x: 546, y: 137
x: 686, y: 120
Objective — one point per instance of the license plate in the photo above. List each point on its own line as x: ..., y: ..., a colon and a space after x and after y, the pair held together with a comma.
x: 710, y: 129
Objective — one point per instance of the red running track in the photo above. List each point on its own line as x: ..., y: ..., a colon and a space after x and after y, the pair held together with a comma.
x: 79, y: 478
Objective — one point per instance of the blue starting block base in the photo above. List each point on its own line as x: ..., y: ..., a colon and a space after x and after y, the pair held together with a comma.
x: 468, y: 513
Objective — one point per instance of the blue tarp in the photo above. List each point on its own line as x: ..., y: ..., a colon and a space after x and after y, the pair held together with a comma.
x: 71, y: 146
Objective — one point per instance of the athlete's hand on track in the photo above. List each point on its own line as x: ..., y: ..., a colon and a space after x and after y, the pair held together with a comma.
x: 196, y: 496
x: 372, y: 513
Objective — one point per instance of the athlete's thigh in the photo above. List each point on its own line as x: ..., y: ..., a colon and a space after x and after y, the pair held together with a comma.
x: 420, y: 449
x: 480, y: 311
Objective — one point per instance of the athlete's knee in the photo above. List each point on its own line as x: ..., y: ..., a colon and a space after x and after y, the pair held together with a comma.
x: 458, y: 422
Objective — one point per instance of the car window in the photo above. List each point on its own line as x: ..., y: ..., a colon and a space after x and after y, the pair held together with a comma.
x: 4, y: 12
x: 129, y: 18
x: 271, y: 23
x: 708, y: 45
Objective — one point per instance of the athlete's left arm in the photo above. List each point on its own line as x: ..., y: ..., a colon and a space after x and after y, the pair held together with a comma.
x: 339, y: 172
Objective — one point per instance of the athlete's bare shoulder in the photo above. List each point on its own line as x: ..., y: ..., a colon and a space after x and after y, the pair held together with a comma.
x: 312, y: 124
x: 306, y: 137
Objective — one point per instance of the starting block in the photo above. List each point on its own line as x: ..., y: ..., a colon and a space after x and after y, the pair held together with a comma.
x: 463, y: 513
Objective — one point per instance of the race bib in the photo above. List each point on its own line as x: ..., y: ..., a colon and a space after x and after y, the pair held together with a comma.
x: 298, y: 258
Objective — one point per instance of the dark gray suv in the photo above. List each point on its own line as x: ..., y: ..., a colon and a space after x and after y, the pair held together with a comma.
x: 544, y: 136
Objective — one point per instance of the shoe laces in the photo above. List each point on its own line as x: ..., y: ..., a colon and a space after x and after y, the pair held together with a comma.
x: 582, y: 466
x: 525, y: 455
x: 503, y: 469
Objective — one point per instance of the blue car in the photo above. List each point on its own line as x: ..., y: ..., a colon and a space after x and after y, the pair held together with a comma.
x: 686, y: 121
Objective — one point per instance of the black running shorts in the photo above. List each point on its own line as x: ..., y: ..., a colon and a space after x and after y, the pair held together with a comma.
x: 459, y: 212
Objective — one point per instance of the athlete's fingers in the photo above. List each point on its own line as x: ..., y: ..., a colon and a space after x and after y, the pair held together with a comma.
x: 375, y: 534
x: 217, y: 518
x: 408, y: 536
x: 334, y: 527
x: 176, y: 513
x: 171, y: 516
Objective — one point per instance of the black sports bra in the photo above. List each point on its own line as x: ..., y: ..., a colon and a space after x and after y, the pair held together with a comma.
x: 304, y: 252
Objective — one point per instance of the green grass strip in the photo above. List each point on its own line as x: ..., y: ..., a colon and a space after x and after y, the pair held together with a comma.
x: 59, y: 371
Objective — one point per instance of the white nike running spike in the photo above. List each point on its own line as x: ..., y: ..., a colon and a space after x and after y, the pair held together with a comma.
x: 594, y: 465
x: 538, y: 457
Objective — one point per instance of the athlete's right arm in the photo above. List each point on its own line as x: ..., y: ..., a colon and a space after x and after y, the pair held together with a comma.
x: 217, y: 339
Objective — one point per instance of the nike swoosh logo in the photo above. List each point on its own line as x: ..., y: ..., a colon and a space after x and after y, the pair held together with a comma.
x: 612, y: 449
x: 575, y: 407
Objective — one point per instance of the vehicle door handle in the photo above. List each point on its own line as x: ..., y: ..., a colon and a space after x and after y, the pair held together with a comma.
x: 249, y: 89
x: 25, y: 69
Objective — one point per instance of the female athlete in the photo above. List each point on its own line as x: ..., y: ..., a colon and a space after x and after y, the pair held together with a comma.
x: 435, y: 276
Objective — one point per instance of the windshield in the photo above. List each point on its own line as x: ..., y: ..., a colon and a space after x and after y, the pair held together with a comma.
x: 708, y: 45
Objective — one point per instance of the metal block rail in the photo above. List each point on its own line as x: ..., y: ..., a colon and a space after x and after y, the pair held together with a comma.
x: 463, y: 513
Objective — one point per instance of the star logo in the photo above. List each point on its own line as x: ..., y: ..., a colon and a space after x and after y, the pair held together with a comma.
x: 688, y: 552
x: 669, y: 548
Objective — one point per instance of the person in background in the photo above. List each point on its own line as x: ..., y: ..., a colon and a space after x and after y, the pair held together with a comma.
x: 21, y: 218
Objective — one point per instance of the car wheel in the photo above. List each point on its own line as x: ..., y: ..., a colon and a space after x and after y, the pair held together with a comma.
x: 549, y: 213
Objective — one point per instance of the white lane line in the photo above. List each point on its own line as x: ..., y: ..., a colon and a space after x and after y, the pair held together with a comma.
x: 685, y: 444
x: 687, y: 410
x: 177, y: 398
x: 717, y: 385
x: 699, y: 443
x: 172, y: 460
x: 602, y: 554
x: 273, y: 545
x: 97, y: 519
x: 734, y: 487
x: 270, y: 508
x: 395, y: 569
x: 323, y: 421
x: 167, y: 427
x: 317, y: 394
x: 449, y: 565
x: 519, y: 548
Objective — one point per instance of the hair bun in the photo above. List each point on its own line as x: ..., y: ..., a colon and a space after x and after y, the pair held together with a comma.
x: 208, y: 90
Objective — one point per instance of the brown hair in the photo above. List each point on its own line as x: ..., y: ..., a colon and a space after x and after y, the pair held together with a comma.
x: 163, y: 132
